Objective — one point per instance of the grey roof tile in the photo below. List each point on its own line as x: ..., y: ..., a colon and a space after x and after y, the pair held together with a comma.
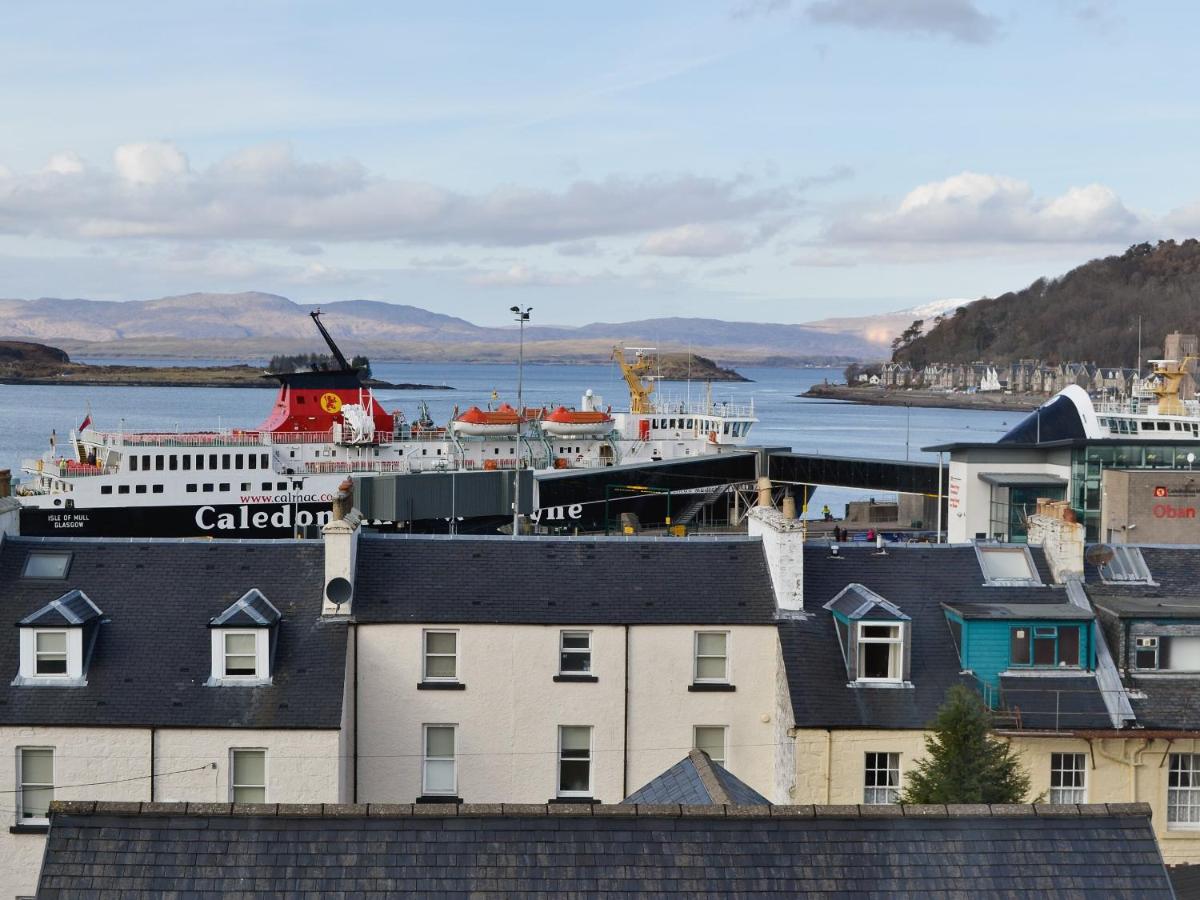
x: 696, y: 781
x: 633, y: 853
x: 153, y: 651
x: 406, y: 579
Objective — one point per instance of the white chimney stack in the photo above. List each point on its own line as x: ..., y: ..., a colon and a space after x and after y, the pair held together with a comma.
x: 341, y: 553
x: 783, y: 545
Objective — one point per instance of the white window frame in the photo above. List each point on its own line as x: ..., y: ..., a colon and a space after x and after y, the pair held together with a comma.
x: 425, y: 654
x: 696, y: 657
x: 890, y: 793
x: 591, y: 732
x: 724, y: 729
x: 21, y: 785
x: 1064, y: 767
x: 563, y: 650
x: 426, y: 759
x: 233, y: 785
x: 1185, y: 798
x: 1153, y: 642
x: 895, y: 658
x: 262, y: 664
x: 28, y: 666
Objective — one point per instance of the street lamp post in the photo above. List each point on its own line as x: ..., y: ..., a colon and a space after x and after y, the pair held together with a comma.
x: 522, y: 316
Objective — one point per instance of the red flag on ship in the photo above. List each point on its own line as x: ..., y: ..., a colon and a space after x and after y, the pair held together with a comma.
x: 87, y: 419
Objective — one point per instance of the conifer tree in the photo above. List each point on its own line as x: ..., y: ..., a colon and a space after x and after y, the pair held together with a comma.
x: 963, y: 763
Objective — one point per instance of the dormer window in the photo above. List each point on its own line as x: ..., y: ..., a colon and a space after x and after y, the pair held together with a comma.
x: 243, y: 641
x: 57, y: 640
x: 874, y: 635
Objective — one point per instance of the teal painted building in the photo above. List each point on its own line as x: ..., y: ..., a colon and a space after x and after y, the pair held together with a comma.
x: 1017, y: 638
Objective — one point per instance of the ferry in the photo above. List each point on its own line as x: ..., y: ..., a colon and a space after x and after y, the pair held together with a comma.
x: 278, y: 480
x: 1155, y: 410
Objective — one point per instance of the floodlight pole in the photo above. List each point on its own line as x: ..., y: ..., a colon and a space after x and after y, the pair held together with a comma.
x: 522, y: 316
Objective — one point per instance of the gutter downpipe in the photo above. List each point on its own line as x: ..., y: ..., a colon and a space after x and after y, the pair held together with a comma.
x: 625, y: 730
x: 1131, y: 764
x: 153, y: 733
x: 828, y: 766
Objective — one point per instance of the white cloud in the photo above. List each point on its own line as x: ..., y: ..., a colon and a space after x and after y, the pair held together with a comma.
x: 65, y: 163
x: 149, y: 163
x: 695, y: 240
x: 523, y: 276
x: 960, y: 20
x: 265, y: 193
x: 973, y: 208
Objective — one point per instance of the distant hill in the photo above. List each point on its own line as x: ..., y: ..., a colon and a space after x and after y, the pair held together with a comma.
x: 1089, y: 314
x: 253, y: 324
x: 882, y: 328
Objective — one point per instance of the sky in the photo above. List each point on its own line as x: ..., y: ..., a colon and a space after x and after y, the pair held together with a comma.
x: 759, y: 160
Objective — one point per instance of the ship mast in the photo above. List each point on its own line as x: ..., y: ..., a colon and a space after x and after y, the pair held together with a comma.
x: 337, y: 354
x: 640, y: 389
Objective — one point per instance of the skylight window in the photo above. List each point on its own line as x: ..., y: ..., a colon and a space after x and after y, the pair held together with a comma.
x: 1007, y: 566
x: 1127, y: 566
x: 46, y: 564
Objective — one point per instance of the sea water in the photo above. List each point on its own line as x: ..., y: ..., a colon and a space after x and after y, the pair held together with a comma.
x: 28, y: 414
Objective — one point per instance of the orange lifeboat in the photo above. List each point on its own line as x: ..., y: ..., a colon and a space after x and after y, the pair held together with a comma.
x: 565, y: 422
x: 477, y: 422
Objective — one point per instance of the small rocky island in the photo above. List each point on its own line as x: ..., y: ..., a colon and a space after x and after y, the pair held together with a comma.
x: 691, y: 367
x: 24, y: 362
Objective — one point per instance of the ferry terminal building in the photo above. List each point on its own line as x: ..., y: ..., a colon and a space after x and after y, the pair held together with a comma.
x: 1124, y: 487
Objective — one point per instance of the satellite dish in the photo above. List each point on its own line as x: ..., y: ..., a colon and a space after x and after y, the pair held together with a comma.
x: 339, y: 590
x: 1099, y: 554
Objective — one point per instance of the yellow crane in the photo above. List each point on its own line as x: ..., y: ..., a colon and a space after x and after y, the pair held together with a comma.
x: 636, y: 375
x: 1170, y: 375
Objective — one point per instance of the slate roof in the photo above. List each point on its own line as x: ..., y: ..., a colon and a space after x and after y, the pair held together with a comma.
x: 1167, y: 703
x: 153, y: 650
x: 1163, y: 702
x: 251, y: 610
x: 918, y: 578
x: 201, y: 850
x: 1050, y: 703
x: 1018, y: 611
x: 1125, y: 607
x: 1172, y: 568
x: 858, y: 602
x: 697, y: 780
x: 70, y: 610
x: 556, y: 581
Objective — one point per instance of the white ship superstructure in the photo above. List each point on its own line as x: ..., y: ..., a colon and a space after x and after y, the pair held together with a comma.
x: 325, y: 426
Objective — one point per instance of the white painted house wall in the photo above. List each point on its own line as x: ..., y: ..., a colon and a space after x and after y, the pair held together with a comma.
x: 509, y: 713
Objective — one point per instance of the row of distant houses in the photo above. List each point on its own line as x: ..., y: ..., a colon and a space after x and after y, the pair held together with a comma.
x: 1024, y: 376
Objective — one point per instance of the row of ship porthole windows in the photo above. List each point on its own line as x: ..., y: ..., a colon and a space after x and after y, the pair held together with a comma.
x: 192, y: 488
x: 737, y: 429
x: 172, y: 462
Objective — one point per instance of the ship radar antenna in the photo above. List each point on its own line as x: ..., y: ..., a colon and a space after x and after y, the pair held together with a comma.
x: 337, y: 353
